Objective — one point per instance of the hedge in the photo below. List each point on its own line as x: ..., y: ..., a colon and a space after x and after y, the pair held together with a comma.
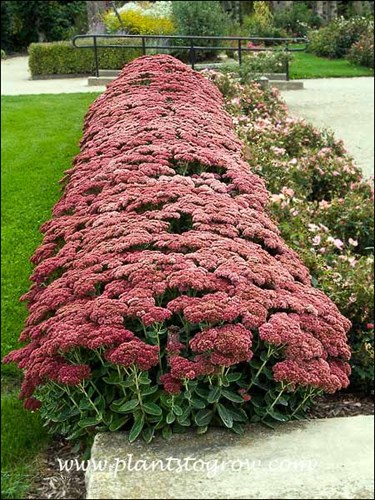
x: 61, y: 58
x: 163, y: 295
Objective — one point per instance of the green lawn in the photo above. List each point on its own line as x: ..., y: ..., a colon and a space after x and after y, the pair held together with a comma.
x: 306, y: 65
x: 40, y: 136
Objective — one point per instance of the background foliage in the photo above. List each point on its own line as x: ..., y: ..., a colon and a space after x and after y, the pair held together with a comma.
x: 24, y: 22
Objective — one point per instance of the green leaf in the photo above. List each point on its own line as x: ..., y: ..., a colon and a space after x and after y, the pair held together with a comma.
x: 117, y: 423
x: 232, y: 396
x: 146, y: 391
x: 314, y: 282
x: 225, y: 416
x: 184, y: 416
x: 144, y: 379
x: 202, y: 392
x: 255, y: 419
x: 234, y: 377
x: 283, y: 401
x: 148, y: 434
x: 277, y: 415
x: 268, y: 373
x: 100, y: 403
x: 152, y: 409
x: 263, y: 356
x: 171, y: 417
x: 202, y: 430
x: 89, y: 421
x: 84, y: 404
x: 137, y: 427
x: 214, y: 395
x: 238, y: 428
x: 167, y: 432
x: 238, y: 414
x: 76, y: 434
x: 260, y: 385
x: 128, y: 406
x: 184, y: 423
x: 177, y: 410
x: 129, y: 382
x: 197, y: 403
x: 203, y: 417
x: 255, y: 363
x: 113, y: 378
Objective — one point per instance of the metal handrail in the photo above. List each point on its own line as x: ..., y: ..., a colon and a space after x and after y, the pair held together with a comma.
x: 191, y: 46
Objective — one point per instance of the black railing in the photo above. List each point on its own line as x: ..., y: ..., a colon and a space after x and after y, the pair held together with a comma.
x: 192, y: 45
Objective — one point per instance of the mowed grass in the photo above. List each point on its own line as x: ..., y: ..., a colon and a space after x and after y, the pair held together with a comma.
x: 306, y: 65
x: 40, y: 136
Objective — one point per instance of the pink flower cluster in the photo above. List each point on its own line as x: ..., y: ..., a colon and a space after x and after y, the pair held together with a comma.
x: 160, y: 199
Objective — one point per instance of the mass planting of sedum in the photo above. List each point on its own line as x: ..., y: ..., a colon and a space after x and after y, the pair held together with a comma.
x: 163, y: 296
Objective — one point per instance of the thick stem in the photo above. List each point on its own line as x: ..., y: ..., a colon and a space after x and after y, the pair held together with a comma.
x: 306, y: 397
x: 89, y: 399
x: 283, y: 388
x: 138, y: 392
x: 270, y: 352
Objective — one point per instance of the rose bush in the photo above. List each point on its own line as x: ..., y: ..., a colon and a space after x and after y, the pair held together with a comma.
x: 362, y: 52
x: 163, y: 295
x: 323, y: 205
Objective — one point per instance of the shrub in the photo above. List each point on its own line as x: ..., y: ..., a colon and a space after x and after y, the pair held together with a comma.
x: 163, y: 295
x: 200, y: 19
x: 61, y: 58
x: 297, y: 20
x: 362, y: 52
x: 323, y: 206
x: 142, y: 20
x: 3, y: 54
x: 258, y: 63
x: 260, y: 23
x: 336, y: 39
x: 252, y: 28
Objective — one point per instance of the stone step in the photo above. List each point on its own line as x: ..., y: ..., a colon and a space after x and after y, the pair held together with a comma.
x: 328, y: 458
x: 109, y: 72
x: 290, y: 85
x: 276, y: 81
x: 115, y: 72
x: 97, y: 81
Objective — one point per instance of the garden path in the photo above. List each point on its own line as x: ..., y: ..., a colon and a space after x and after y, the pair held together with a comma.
x: 15, y: 80
x: 345, y: 105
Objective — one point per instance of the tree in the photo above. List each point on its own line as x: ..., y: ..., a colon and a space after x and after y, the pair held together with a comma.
x: 24, y: 22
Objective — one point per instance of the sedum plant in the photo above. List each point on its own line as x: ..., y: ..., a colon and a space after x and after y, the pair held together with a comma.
x: 163, y: 295
x: 323, y: 204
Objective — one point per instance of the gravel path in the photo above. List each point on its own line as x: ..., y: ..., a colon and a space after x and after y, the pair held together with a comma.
x: 345, y: 105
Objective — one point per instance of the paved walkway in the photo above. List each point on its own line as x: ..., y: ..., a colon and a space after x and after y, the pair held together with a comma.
x: 346, y: 105
x: 16, y: 80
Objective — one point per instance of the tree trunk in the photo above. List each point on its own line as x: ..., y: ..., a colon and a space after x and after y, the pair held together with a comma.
x: 319, y: 9
x: 332, y: 12
x: 94, y: 13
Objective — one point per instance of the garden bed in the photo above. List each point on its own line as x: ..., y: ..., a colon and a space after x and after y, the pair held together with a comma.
x: 261, y: 120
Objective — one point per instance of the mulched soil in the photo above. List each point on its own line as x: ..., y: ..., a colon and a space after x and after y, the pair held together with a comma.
x: 53, y: 483
x: 342, y: 405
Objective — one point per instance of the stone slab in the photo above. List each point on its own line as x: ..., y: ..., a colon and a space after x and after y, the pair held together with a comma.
x: 290, y: 85
x: 325, y: 459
